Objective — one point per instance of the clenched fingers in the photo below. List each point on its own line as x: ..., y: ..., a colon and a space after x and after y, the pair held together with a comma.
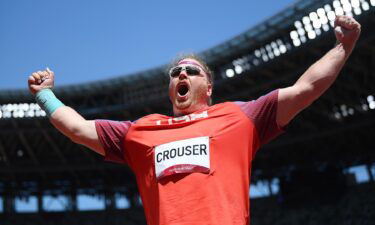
x: 347, y: 22
x: 31, y: 80
x: 40, y: 76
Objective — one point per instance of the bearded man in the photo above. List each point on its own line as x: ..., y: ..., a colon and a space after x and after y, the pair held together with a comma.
x: 194, y: 167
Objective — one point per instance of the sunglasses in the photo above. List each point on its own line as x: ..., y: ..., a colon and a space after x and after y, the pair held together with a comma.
x: 190, y: 70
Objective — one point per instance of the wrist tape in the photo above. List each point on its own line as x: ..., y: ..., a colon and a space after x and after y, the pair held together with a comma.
x: 48, y: 101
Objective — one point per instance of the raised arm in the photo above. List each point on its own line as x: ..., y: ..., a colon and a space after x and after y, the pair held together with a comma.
x: 64, y: 118
x: 320, y: 76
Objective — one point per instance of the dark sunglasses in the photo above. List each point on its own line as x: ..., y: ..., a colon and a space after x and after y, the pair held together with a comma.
x: 190, y: 70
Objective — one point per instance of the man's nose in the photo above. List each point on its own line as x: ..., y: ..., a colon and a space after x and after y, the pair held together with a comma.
x: 182, y: 75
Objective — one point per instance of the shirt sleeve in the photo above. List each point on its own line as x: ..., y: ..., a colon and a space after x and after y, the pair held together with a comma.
x: 112, y: 137
x: 262, y: 112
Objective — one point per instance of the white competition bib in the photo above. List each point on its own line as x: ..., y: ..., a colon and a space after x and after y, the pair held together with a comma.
x: 184, y: 156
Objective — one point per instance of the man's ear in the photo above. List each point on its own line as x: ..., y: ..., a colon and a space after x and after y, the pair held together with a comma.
x: 209, y: 89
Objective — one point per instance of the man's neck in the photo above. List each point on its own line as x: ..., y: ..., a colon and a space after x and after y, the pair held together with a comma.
x: 177, y: 112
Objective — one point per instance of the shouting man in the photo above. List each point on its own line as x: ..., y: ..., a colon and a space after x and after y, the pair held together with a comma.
x: 194, y: 168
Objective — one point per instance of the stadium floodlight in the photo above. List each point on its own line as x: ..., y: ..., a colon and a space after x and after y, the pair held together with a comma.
x: 318, y: 32
x: 257, y: 53
x: 370, y: 98
x: 21, y: 113
x: 344, y: 2
x: 337, y: 115
x: 296, y: 42
x: 294, y: 34
x: 351, y: 111
x: 229, y: 73
x: 350, y: 14
x: 325, y: 27
x: 297, y: 24
x: 372, y: 2
x: 344, y: 111
x: 9, y: 107
x: 25, y: 106
x: 21, y: 110
x: 15, y: 114
x: 305, y: 20
x: 238, y: 69
x: 327, y: 8
x: 331, y: 15
x: 355, y: 3
x: 308, y: 28
x: 339, y: 11
x: 276, y: 52
x: 271, y: 55
x: 1, y: 114
x: 357, y: 11
x: 311, y: 35
x: 268, y: 48
x: 365, y: 6
x: 321, y: 12
x: 282, y: 49
x: 265, y: 57
x: 7, y: 114
x: 19, y: 153
x: 30, y: 113
x: 323, y: 19
x: 317, y: 24
x: 347, y: 7
x: 301, y: 31
x: 313, y: 16
x: 336, y: 4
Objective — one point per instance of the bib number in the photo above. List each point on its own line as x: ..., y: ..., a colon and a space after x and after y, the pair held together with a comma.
x: 184, y: 156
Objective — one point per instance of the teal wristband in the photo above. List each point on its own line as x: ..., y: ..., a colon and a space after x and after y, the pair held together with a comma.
x: 48, y: 101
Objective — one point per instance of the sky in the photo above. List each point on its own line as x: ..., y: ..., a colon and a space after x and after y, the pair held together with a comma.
x: 92, y: 40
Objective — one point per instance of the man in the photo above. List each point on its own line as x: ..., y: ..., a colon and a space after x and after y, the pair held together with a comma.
x: 195, y: 168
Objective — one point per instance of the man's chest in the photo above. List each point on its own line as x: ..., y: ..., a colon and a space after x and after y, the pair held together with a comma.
x: 190, y: 143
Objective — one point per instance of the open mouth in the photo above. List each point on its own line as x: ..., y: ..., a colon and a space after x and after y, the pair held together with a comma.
x: 182, y: 89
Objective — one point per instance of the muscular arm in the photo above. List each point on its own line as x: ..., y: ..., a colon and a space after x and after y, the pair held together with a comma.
x: 320, y: 76
x: 64, y: 118
x: 75, y: 127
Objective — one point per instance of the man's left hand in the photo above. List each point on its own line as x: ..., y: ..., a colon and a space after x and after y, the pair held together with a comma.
x: 347, y: 30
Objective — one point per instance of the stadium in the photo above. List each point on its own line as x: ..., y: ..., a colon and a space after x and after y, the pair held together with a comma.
x: 320, y: 172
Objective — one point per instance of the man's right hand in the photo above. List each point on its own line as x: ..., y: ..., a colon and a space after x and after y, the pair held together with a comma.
x: 66, y: 119
x: 40, y: 80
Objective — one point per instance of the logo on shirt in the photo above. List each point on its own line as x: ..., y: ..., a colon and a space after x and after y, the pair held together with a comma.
x: 185, y: 118
x: 184, y: 156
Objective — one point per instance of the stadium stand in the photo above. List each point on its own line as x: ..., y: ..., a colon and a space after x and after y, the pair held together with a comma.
x: 338, y: 130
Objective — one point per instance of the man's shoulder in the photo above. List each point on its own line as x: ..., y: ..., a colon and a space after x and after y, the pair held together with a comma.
x: 224, y: 105
x: 151, y: 119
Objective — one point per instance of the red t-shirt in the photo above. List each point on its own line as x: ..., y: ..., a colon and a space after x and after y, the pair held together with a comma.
x: 194, y: 169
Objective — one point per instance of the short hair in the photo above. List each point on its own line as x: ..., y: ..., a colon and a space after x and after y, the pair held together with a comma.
x: 206, y: 69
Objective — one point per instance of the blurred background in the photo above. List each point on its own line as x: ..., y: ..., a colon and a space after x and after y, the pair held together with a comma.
x: 109, y: 60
